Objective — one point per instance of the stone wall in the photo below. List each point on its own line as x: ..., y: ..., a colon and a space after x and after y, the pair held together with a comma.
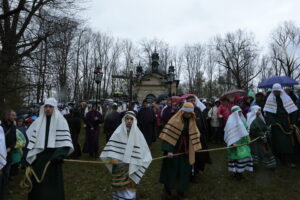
x: 154, y: 84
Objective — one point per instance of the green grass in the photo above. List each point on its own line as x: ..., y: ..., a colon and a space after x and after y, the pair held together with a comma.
x: 92, y: 181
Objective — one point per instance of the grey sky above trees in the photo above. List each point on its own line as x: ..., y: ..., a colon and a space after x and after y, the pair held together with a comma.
x: 51, y: 47
x: 178, y: 22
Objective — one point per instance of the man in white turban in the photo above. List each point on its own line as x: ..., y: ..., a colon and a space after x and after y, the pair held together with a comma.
x: 281, y: 115
x: 49, y: 141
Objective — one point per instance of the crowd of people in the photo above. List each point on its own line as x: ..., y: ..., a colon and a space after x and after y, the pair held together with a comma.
x: 257, y: 128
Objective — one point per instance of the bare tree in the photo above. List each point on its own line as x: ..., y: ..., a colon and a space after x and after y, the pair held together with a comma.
x: 237, y: 53
x: 211, y: 65
x: 194, y: 56
x: 20, y: 35
x: 62, y: 42
x: 285, y: 53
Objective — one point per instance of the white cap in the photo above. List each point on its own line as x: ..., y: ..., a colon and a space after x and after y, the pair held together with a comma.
x: 51, y: 102
x: 276, y: 87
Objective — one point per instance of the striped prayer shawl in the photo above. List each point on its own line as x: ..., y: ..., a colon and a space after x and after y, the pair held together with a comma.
x: 235, y: 128
x: 173, y: 130
x: 116, y: 149
x: 288, y: 104
x: 129, y: 148
x: 59, y: 135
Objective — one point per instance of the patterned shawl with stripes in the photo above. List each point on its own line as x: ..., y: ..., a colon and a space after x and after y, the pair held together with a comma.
x: 236, y: 126
x: 129, y: 148
x: 59, y: 134
x: 288, y: 104
x: 173, y: 130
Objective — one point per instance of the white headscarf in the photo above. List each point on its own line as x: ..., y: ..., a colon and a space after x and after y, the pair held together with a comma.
x: 51, y: 101
x: 131, y: 149
x: 235, y: 127
x: 251, y: 116
x: 271, y: 104
x: 3, y: 152
x: 59, y: 133
x: 199, y: 104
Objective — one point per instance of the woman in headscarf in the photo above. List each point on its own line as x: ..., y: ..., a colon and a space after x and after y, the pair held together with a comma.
x: 261, y: 150
x: 236, y: 133
x: 129, y: 157
x: 281, y: 115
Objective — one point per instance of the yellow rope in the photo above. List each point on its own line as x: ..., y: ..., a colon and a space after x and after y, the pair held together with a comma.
x: 294, y: 128
x: 26, y: 183
x: 162, y: 157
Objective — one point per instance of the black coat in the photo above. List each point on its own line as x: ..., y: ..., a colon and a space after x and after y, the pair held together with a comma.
x: 111, y: 123
x: 201, y: 158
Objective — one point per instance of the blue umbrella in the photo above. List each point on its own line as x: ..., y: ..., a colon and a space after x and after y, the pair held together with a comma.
x: 283, y: 80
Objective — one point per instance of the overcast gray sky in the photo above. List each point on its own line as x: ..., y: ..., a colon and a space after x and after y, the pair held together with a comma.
x: 188, y: 21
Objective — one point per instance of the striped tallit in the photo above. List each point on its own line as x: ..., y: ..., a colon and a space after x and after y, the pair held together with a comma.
x: 59, y: 134
x: 129, y: 148
x: 235, y: 128
x: 288, y: 104
x: 173, y: 129
x: 3, y: 152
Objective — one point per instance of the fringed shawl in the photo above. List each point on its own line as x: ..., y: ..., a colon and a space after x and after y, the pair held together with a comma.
x: 288, y: 104
x: 173, y: 130
x: 59, y: 134
x: 131, y: 149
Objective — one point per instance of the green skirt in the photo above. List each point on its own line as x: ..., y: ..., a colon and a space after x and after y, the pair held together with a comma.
x: 241, y: 151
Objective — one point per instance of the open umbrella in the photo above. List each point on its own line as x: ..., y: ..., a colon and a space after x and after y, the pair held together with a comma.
x: 283, y: 80
x: 232, y: 94
x: 183, y: 97
x: 176, y: 99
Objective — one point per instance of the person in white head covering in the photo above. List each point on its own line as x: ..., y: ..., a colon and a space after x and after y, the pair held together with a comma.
x: 280, y: 114
x: 49, y: 141
x: 236, y: 133
x: 127, y: 146
x: 260, y: 149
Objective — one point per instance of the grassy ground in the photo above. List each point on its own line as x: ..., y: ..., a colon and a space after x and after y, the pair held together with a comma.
x: 92, y: 182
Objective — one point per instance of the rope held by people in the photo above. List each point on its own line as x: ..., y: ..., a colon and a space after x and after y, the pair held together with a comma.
x: 26, y: 183
x: 293, y: 128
